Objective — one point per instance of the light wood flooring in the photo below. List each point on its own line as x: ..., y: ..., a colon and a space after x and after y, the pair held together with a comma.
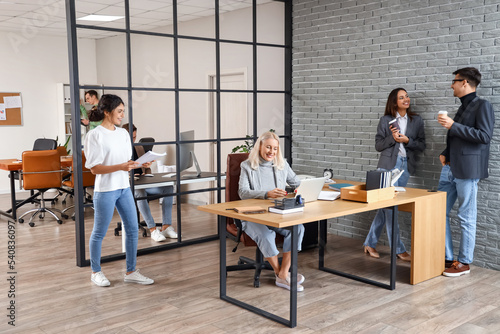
x: 53, y: 295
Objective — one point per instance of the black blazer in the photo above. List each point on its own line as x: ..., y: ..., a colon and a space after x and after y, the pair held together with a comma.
x: 468, y: 140
x: 386, y: 145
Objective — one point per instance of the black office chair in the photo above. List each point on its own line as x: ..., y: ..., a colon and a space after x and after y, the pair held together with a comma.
x: 43, y: 144
x: 147, y: 148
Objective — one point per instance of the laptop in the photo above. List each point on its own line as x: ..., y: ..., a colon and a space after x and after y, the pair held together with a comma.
x: 309, y: 189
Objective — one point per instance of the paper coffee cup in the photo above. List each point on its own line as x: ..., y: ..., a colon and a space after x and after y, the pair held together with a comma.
x: 442, y: 112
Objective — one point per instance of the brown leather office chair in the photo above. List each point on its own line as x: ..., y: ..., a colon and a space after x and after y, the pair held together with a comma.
x: 88, y: 180
x: 40, y: 144
x: 233, y: 226
x: 65, y: 176
x: 41, y: 171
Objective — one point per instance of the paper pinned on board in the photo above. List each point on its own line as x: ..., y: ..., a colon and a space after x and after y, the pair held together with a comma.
x: 3, y: 115
x: 149, y: 156
x: 12, y: 102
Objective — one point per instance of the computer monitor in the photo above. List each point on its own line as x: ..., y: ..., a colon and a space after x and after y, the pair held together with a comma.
x: 186, y: 153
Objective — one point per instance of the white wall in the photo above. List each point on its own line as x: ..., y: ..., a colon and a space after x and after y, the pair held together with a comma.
x: 33, y: 66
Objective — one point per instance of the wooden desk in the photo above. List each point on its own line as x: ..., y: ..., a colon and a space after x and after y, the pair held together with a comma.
x: 427, y: 242
x: 13, y: 166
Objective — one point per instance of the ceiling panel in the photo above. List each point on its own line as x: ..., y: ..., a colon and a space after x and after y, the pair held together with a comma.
x: 49, y: 16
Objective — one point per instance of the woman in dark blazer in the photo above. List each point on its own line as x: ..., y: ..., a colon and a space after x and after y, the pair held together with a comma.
x: 398, y: 146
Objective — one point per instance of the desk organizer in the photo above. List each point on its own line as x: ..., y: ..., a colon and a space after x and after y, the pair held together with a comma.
x: 360, y: 194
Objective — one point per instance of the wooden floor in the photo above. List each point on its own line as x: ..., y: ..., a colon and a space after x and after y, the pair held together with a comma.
x: 53, y: 295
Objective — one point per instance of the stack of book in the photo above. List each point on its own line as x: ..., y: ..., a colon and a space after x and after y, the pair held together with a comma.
x: 376, y: 179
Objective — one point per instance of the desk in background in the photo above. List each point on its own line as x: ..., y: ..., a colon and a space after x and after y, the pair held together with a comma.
x: 15, y: 165
x: 427, y: 241
x: 158, y: 180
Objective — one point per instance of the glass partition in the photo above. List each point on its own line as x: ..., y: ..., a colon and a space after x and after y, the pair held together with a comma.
x: 178, y: 74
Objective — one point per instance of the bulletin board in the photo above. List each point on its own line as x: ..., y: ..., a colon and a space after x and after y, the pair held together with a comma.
x: 13, y: 115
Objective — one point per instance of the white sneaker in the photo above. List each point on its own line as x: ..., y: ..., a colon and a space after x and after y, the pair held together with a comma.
x: 137, y: 277
x: 99, y: 279
x: 285, y: 284
x: 300, y: 278
x: 169, y: 233
x: 156, y: 235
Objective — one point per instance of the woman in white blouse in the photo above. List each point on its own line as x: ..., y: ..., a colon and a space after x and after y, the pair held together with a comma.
x: 108, y: 150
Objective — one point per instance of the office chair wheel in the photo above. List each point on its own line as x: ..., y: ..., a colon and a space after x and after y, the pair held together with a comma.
x: 63, y: 202
x: 65, y: 216
x: 32, y: 224
x: 59, y: 222
x: 74, y: 218
x: 256, y: 283
x: 117, y: 233
x: 144, y: 234
x: 41, y: 216
x: 20, y: 220
x: 240, y: 262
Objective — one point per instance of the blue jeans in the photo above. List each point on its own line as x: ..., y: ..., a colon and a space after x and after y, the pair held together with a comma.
x: 384, y: 216
x: 264, y: 236
x: 465, y: 190
x: 166, y: 205
x: 104, y: 207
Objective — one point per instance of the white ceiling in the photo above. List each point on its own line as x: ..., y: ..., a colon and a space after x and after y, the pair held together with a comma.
x: 49, y: 16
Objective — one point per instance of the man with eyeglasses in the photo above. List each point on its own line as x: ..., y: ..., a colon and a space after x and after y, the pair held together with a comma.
x: 465, y: 161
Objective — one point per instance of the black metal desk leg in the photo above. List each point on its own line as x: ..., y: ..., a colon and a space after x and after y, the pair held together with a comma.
x: 392, y: 274
x: 13, y: 195
x: 293, y: 278
x: 322, y: 242
x: 222, y: 258
x: 393, y: 247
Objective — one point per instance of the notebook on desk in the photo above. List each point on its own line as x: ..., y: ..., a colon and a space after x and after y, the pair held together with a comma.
x: 309, y: 189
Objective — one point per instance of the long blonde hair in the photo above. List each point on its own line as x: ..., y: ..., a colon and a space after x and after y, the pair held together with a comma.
x: 254, y: 156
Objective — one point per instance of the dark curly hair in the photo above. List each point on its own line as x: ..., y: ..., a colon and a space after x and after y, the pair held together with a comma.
x: 108, y: 103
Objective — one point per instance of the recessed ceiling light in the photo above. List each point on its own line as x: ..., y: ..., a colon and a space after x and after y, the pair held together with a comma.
x: 102, y: 18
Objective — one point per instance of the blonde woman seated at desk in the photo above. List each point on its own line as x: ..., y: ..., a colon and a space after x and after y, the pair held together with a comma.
x: 264, y: 175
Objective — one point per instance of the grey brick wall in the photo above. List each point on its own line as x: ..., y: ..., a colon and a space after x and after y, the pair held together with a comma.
x: 348, y: 56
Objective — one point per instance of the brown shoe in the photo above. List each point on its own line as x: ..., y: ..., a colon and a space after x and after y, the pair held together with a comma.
x: 457, y: 269
x: 371, y: 251
x: 404, y: 256
x: 449, y: 264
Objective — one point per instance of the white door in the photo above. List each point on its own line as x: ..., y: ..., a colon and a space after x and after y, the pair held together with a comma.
x: 234, y: 115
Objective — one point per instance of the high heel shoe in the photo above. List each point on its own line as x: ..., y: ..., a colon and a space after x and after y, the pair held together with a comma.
x: 404, y: 256
x: 371, y: 251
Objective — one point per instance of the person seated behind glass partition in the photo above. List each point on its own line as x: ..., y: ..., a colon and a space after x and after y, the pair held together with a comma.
x: 166, y: 231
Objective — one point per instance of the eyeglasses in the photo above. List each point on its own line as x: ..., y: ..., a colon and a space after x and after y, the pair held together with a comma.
x: 455, y: 80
